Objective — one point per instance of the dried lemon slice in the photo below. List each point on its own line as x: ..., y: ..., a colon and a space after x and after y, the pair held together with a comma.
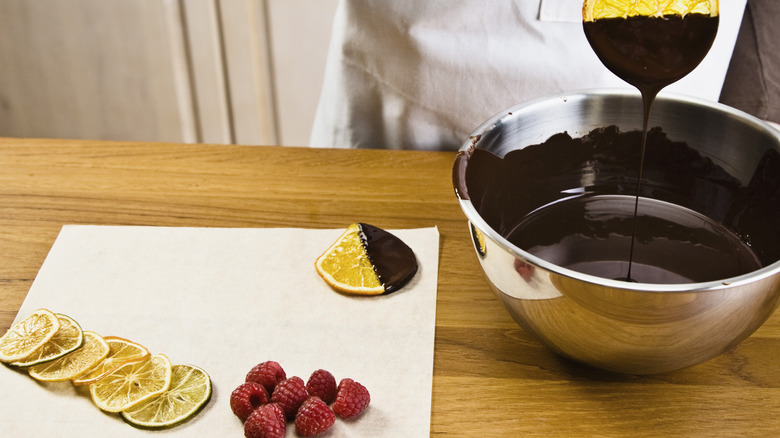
x: 92, y: 351
x: 596, y: 9
x: 121, y: 351
x: 28, y: 335
x: 132, y: 383
x: 189, y: 392
x: 68, y: 338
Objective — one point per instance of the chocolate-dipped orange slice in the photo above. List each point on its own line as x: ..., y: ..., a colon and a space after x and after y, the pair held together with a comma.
x: 366, y: 260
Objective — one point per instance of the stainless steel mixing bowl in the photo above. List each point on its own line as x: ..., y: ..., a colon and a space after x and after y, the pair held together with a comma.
x: 636, y: 328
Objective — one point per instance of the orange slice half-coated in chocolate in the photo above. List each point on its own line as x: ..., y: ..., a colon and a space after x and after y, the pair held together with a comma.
x: 367, y: 260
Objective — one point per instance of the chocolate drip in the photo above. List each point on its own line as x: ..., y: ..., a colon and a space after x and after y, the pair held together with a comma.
x: 650, y: 53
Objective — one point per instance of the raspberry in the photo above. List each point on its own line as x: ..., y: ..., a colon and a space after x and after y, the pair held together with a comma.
x: 268, y: 374
x: 351, y: 399
x: 246, y: 398
x: 290, y: 394
x: 267, y: 421
x: 323, y: 385
x: 314, y: 417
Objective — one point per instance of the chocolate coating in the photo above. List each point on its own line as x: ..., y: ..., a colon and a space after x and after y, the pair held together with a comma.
x: 652, y: 52
x: 394, y: 262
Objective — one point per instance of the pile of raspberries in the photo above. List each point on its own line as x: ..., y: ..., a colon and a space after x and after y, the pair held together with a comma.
x: 268, y: 400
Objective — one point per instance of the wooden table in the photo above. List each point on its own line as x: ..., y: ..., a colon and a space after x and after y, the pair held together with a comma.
x: 491, y: 378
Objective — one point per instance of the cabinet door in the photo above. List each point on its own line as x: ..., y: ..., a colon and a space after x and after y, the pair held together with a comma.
x: 257, y: 67
x: 214, y: 71
x: 92, y: 69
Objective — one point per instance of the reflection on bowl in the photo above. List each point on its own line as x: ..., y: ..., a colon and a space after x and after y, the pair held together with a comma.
x: 694, y: 297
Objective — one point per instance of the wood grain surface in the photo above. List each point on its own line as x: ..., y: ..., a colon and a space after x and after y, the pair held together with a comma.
x: 491, y: 378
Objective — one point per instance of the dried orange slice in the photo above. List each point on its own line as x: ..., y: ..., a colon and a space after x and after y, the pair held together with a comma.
x: 367, y: 260
x: 346, y: 266
x: 28, y: 335
x: 93, y: 350
x: 132, y: 383
x: 121, y: 374
x: 121, y: 351
x: 68, y: 338
x: 596, y: 9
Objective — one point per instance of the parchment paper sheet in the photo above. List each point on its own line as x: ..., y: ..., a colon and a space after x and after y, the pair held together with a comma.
x: 225, y: 300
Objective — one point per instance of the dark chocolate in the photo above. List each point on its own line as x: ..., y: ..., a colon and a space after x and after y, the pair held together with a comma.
x: 520, y: 196
x: 394, y: 262
x: 652, y: 52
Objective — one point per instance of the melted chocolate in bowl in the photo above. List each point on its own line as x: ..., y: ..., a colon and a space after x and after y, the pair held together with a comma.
x: 535, y: 198
x: 545, y: 206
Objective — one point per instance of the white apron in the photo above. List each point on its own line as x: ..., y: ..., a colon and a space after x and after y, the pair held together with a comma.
x: 412, y: 74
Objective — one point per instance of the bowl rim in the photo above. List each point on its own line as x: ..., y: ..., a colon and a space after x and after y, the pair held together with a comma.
x: 511, y: 112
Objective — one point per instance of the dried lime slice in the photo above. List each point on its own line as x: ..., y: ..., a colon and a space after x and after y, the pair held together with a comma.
x: 189, y: 392
x: 132, y: 383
